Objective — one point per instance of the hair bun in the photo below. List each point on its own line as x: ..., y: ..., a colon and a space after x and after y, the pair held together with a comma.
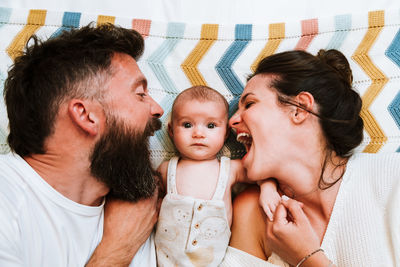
x: 338, y: 62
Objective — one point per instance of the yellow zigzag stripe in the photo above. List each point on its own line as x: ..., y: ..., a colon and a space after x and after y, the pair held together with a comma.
x: 276, y: 34
x: 105, y: 19
x: 36, y: 19
x: 376, y: 21
x: 209, y: 34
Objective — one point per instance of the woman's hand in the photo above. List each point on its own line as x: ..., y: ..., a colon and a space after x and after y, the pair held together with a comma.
x: 291, y: 235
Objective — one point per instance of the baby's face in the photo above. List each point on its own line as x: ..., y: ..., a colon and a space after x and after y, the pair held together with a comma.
x: 199, y: 128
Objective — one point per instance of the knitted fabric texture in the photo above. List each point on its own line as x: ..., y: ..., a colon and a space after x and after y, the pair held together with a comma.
x: 179, y: 55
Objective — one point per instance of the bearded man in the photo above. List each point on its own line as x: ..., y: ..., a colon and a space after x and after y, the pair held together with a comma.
x: 80, y: 116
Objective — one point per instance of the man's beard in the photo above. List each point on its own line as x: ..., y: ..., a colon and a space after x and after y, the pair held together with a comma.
x: 121, y: 160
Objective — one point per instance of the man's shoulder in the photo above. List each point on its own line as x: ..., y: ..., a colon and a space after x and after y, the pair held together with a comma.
x: 12, y: 183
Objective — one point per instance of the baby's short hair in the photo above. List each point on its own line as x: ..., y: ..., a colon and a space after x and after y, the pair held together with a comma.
x: 200, y: 93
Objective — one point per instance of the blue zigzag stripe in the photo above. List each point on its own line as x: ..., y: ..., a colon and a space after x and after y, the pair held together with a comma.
x: 224, y: 69
x: 70, y: 20
x: 5, y: 14
x: 156, y: 60
x: 342, y: 28
x: 394, y: 110
x: 224, y: 66
x: 393, y: 53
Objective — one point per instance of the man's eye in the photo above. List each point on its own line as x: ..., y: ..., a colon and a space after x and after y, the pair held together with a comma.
x: 142, y: 95
x: 187, y: 124
x: 211, y: 125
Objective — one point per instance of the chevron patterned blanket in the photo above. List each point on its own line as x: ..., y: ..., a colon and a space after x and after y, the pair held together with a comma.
x: 179, y: 55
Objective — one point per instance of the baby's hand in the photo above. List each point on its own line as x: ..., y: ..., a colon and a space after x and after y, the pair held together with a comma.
x: 269, y: 197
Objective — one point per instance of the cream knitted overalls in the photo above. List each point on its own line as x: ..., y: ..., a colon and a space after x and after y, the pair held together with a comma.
x: 190, y: 231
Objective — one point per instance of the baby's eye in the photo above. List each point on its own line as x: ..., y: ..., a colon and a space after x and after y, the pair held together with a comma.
x: 187, y: 125
x: 211, y: 125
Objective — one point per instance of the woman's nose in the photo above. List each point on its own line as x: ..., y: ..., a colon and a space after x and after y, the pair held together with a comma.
x: 235, y: 120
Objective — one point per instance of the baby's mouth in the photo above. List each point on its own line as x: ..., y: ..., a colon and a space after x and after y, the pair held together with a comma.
x: 246, y: 139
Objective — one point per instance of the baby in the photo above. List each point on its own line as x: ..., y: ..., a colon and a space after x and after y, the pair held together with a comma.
x: 196, y: 214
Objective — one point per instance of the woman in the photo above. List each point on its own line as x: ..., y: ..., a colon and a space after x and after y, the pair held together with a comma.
x: 302, y: 122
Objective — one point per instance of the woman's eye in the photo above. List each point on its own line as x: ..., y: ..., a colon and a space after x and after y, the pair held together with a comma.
x: 248, y: 104
x: 187, y: 124
x: 211, y: 125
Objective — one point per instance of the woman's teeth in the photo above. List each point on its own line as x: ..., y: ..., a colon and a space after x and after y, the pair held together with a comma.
x: 245, y: 139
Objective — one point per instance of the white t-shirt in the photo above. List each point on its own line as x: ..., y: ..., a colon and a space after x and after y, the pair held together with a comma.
x: 41, y: 227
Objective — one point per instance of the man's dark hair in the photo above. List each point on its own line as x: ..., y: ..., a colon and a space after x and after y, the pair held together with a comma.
x: 75, y: 64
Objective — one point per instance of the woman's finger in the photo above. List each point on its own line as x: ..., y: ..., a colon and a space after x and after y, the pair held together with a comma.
x: 295, y: 209
x: 281, y: 215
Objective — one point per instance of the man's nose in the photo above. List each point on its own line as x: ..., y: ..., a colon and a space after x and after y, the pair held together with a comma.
x: 156, y: 109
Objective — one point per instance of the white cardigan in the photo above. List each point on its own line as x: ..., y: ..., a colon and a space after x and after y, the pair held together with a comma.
x: 364, y: 228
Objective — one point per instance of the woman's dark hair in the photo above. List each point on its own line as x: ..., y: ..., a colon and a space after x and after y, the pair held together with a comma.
x: 74, y: 64
x: 328, y: 78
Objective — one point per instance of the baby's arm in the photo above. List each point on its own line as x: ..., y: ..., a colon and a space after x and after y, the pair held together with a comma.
x: 163, y: 169
x: 269, y: 197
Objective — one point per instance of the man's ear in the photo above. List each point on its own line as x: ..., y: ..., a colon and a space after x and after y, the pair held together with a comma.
x: 84, y: 116
x: 306, y: 101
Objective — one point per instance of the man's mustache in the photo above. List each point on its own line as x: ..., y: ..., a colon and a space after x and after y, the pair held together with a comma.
x: 153, y: 125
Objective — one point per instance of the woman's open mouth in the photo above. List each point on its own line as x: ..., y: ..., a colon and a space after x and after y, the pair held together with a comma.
x: 245, y: 139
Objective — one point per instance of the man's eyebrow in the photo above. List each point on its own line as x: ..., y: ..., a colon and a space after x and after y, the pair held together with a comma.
x: 243, y: 99
x: 140, y: 81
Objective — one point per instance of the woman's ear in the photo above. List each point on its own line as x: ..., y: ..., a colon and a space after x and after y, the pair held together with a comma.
x: 84, y: 116
x: 305, y: 101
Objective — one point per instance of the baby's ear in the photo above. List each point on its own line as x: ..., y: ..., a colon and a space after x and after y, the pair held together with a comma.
x: 170, y: 132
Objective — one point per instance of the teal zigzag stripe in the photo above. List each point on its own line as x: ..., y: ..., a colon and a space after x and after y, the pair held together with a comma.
x: 243, y: 34
x: 342, y: 28
x: 393, y: 53
x: 70, y: 20
x: 156, y: 60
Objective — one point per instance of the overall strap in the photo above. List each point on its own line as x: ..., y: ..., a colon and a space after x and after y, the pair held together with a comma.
x: 171, y: 176
x: 223, y: 177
